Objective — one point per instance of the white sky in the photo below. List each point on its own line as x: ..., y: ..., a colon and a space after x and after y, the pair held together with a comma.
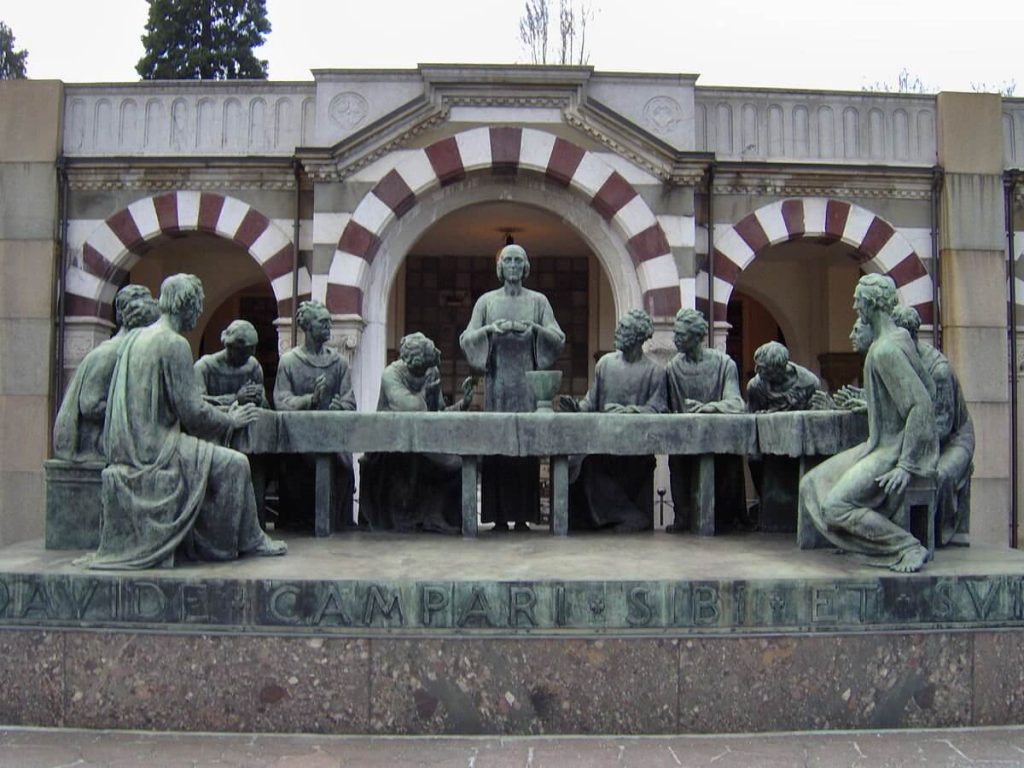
x: 777, y: 43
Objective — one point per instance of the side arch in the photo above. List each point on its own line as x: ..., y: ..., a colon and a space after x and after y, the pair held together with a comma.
x: 505, y: 151
x: 116, y: 245
x: 879, y: 246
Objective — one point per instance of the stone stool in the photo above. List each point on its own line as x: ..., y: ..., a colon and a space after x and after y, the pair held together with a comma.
x: 917, y: 513
x: 74, y: 510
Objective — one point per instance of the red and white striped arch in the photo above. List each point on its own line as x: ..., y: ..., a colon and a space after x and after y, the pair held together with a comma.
x: 116, y: 245
x: 503, y: 151
x: 880, y: 248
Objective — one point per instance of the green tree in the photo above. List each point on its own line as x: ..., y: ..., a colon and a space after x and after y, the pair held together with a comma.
x: 204, y: 40
x: 12, y: 62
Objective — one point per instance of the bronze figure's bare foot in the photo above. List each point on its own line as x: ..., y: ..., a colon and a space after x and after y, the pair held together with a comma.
x: 911, y: 561
x: 269, y: 548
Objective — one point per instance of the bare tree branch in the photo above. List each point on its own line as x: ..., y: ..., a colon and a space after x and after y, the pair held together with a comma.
x: 533, y: 30
x: 573, y: 18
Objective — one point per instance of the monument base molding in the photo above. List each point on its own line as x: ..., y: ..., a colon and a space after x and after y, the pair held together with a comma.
x: 510, y: 685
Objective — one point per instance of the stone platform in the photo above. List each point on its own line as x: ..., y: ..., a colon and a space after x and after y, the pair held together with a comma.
x: 650, y: 633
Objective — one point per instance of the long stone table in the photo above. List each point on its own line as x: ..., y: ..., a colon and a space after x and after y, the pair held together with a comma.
x: 557, y: 435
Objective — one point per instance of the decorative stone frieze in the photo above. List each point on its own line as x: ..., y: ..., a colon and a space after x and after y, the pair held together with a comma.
x: 762, y: 124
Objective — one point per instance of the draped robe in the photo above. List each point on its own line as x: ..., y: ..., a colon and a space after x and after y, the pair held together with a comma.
x: 956, y: 448
x: 712, y: 379
x: 618, y: 491
x: 410, y: 491
x: 793, y: 395
x: 511, y: 485
x: 165, y: 491
x: 775, y: 477
x: 293, y: 391
x: 78, y: 428
x: 840, y: 496
x: 219, y: 382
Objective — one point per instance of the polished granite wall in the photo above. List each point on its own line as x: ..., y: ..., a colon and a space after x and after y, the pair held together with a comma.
x: 500, y: 685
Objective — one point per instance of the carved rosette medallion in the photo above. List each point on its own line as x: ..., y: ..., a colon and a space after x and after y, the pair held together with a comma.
x: 348, y: 110
x: 662, y: 114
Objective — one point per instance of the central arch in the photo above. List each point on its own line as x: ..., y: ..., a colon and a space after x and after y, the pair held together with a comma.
x: 505, y: 151
x: 607, y: 246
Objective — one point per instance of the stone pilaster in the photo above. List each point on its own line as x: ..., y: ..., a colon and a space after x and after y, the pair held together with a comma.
x: 721, y: 333
x: 660, y: 347
x: 284, y: 335
x: 972, y: 250
x: 30, y: 139
x: 81, y: 336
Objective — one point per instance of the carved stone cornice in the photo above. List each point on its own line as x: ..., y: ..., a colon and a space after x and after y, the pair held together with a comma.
x: 841, y: 191
x: 167, y: 185
x: 838, y: 190
x: 183, y: 174
x: 625, y: 138
x: 841, y: 182
x: 691, y: 171
x: 350, y: 157
x: 619, y: 147
x: 507, y: 100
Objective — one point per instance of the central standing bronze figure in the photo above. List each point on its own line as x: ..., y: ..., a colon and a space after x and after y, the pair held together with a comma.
x: 512, y: 331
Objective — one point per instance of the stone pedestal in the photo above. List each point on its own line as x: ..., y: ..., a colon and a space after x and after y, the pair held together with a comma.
x: 74, y: 510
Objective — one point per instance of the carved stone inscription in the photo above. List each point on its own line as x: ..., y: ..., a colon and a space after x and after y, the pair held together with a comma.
x: 43, y: 598
x: 511, y: 606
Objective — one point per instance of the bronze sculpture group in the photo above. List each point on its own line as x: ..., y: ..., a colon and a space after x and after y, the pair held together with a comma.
x: 172, y: 489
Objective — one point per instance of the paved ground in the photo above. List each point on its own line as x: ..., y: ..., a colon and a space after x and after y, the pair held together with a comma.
x: 35, y: 748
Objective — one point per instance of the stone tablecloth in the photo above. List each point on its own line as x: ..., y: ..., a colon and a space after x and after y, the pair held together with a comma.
x: 546, y: 434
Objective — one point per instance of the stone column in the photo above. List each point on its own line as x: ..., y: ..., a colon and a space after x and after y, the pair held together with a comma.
x: 346, y: 336
x: 284, y: 335
x: 972, y: 253
x: 721, y: 333
x: 30, y: 139
x: 660, y: 346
